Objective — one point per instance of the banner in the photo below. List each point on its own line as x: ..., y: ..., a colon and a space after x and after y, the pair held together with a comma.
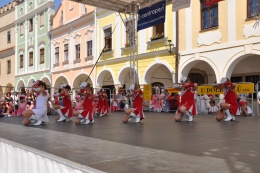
x: 147, y: 92
x: 240, y: 89
x: 209, y: 3
x: 180, y: 4
x: 173, y: 90
x: 151, y: 16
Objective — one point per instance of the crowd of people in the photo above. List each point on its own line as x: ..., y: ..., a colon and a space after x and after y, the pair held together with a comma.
x: 35, y: 104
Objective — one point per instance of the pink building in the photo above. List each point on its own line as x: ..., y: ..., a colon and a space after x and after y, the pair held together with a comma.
x: 71, y: 45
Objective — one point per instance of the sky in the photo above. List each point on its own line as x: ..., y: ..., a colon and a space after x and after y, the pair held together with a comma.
x: 4, y: 2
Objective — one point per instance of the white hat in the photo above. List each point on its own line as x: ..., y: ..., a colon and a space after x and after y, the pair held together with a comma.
x: 63, y: 85
x: 223, y: 80
x: 183, y: 79
x: 35, y: 83
x: 83, y: 85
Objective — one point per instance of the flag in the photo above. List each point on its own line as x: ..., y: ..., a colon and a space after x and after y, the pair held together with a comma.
x: 209, y: 3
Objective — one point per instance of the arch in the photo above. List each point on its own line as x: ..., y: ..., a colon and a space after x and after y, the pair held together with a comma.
x: 79, y: 78
x: 153, y: 67
x: 30, y: 81
x: 102, y: 74
x: 9, y: 88
x: 60, y: 80
x: 46, y: 80
x: 186, y: 66
x: 20, y: 83
x: 233, y: 62
x: 122, y: 73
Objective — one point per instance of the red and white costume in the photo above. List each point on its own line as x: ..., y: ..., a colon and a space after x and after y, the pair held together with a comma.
x: 87, y: 111
x: 231, y: 98
x: 66, y: 107
x: 188, y: 101
x: 138, y: 104
x: 100, y: 105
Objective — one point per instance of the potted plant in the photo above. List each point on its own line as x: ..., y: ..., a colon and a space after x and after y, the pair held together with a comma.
x: 158, y: 36
x: 127, y: 45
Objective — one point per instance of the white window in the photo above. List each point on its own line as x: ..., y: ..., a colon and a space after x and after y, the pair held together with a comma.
x: 31, y: 25
x: 89, y: 48
x: 21, y: 61
x: 108, y: 39
x: 57, y: 55
x: 8, y: 66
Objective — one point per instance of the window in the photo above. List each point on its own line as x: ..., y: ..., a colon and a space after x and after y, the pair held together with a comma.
x: 84, y: 9
x: 61, y: 18
x: 57, y: 55
x: 30, y: 59
x: 158, y: 31
x: 66, y: 52
x: 209, y: 16
x: 41, y: 19
x: 253, y: 8
x: 31, y: 25
x: 21, y: 61
x: 8, y: 36
x: 77, y: 47
x: 89, y: 48
x: 108, y: 39
x: 42, y: 56
x: 21, y: 29
x: 8, y: 66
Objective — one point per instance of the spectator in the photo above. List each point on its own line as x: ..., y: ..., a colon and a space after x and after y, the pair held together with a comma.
x: 213, y: 109
x: 8, y: 97
x: 244, y: 109
x: 258, y: 100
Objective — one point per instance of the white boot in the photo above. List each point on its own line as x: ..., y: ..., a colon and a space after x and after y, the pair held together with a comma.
x: 87, y: 121
x: 137, y: 120
x: 189, y: 116
x: 229, y: 117
x: 62, y: 117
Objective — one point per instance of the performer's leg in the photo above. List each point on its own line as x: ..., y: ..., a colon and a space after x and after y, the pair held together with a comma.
x: 127, y: 113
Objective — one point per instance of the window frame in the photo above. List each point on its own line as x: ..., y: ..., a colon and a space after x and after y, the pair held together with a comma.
x: 203, y: 8
x: 31, y: 25
x: 66, y: 52
x: 21, y: 62
x: 108, y: 46
x: 42, y: 59
x: 8, y: 36
x: 57, y: 55
x: 89, y: 49
x: 249, y: 16
x: 77, y: 51
x: 41, y: 19
x: 30, y: 59
x: 9, y: 66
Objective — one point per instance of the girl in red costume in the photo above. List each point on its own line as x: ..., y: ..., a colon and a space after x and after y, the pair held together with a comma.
x: 106, y: 105
x: 230, y: 106
x: 64, y: 111
x: 101, y: 103
x: 85, y: 116
x: 187, y: 106
x: 137, y: 110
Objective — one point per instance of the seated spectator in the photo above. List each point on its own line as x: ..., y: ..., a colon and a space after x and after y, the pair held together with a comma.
x: 8, y: 97
x: 244, y: 109
x: 213, y: 109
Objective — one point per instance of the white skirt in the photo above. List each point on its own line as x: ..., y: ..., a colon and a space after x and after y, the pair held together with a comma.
x: 41, y: 114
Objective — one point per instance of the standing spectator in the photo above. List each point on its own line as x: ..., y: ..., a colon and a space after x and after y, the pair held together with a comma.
x: 8, y: 97
x: 167, y: 98
x: 258, y: 100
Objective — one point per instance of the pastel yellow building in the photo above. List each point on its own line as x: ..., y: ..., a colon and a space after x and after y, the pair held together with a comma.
x: 72, y: 44
x: 155, y: 65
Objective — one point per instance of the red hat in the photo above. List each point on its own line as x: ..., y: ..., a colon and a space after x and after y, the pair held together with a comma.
x: 242, y: 103
x: 35, y: 83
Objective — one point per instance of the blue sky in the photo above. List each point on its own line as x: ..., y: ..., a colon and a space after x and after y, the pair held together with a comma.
x: 4, y: 2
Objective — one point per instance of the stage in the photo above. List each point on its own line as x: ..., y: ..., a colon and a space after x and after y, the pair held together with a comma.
x: 156, y: 145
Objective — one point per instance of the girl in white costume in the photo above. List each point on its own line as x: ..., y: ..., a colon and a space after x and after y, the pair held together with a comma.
x: 38, y: 115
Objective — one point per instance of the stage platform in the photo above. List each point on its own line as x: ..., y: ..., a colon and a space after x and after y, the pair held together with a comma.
x: 156, y: 145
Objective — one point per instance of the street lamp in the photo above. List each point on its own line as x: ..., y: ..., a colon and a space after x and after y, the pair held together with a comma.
x: 170, y: 46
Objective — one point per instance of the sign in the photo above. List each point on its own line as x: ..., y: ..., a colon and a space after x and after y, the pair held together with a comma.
x: 173, y: 90
x: 151, y: 16
x: 180, y: 4
x: 147, y: 92
x: 240, y: 89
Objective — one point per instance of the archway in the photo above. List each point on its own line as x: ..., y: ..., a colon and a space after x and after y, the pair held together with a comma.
x: 20, y: 84
x: 60, y: 80
x: 124, y: 77
x: 79, y: 79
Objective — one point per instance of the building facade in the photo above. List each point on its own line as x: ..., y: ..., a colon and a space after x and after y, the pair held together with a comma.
x: 155, y: 65
x: 32, y: 59
x: 72, y: 45
x: 7, y: 47
x: 222, y: 40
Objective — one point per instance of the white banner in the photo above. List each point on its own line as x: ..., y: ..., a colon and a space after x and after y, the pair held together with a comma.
x: 180, y: 4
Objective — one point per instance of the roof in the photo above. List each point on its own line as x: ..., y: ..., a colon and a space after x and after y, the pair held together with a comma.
x: 122, y: 6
